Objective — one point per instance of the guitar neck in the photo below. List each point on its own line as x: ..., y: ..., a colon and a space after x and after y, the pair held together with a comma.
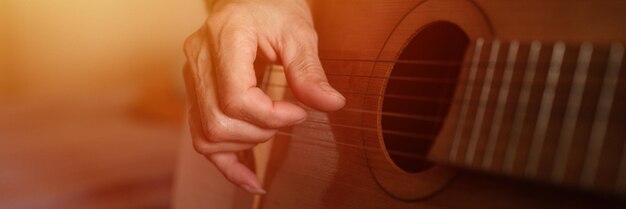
x: 551, y: 112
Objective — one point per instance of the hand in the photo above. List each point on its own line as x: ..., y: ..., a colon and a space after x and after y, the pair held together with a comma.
x: 228, y: 112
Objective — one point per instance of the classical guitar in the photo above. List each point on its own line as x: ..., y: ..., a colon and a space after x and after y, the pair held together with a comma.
x: 460, y: 104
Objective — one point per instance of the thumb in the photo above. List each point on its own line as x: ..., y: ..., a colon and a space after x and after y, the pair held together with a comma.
x: 305, y: 74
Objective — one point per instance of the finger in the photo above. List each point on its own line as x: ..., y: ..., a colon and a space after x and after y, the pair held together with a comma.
x: 216, y: 126
x: 193, y: 43
x: 192, y: 47
x: 204, y: 145
x: 239, y: 96
x: 236, y: 172
x: 225, y: 138
x: 304, y: 71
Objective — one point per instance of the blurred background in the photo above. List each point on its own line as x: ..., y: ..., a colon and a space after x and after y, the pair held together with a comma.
x: 91, y: 101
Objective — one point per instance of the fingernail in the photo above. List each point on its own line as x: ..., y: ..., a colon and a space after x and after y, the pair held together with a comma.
x: 254, y: 190
x: 260, y: 191
x: 329, y: 89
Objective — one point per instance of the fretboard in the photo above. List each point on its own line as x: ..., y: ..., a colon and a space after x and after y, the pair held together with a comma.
x: 552, y: 112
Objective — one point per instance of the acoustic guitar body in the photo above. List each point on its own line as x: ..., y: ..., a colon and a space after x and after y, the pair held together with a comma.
x: 461, y: 104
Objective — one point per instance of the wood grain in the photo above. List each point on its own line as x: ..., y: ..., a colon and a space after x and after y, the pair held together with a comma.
x: 316, y: 163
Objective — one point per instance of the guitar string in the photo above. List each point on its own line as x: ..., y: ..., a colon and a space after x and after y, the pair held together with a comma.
x: 407, y: 135
x: 427, y: 62
x: 318, y: 142
x: 394, y: 114
x: 407, y: 78
x: 387, y: 131
x: 431, y: 80
x: 322, y: 142
x: 292, y: 172
x: 434, y: 62
x: 418, y: 117
x: 375, y: 130
x: 366, y: 163
x: 444, y: 63
x: 310, y: 123
x: 451, y: 63
x: 415, y: 79
x: 383, y: 77
x: 376, y: 149
x: 425, y: 80
x: 399, y: 97
x: 395, y: 96
x: 404, y: 97
x: 403, y: 78
x: 315, y: 125
x: 329, y: 143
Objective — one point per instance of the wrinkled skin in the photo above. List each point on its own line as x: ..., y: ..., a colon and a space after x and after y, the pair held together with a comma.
x: 228, y: 113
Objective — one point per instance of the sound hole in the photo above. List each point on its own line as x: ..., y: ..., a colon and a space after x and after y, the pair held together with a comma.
x: 429, y: 95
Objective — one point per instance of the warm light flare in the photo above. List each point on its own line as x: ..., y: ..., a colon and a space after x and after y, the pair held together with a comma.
x: 91, y: 100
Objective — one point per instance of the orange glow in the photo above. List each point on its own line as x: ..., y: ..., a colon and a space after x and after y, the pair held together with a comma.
x: 68, y: 46
x: 91, y: 100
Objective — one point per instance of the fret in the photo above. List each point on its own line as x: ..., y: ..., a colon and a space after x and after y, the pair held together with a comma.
x: 547, y: 102
x: 601, y: 119
x: 571, y: 113
x: 466, y: 99
x: 482, y: 105
x: 522, y: 106
x: 502, y: 99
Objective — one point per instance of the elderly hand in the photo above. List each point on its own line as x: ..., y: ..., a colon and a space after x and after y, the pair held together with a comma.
x: 229, y: 113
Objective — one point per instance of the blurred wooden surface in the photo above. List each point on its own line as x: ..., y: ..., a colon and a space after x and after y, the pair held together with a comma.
x: 85, y: 152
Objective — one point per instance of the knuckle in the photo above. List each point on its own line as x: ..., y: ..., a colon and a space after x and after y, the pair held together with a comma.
x: 307, y: 67
x: 217, y: 18
x: 228, y: 25
x: 233, y: 106
x: 250, y: 109
x: 214, y: 22
x: 303, y: 30
x: 304, y: 59
x: 192, y: 45
x: 203, y: 147
x: 233, y: 41
x: 217, y: 130
x: 236, y: 36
